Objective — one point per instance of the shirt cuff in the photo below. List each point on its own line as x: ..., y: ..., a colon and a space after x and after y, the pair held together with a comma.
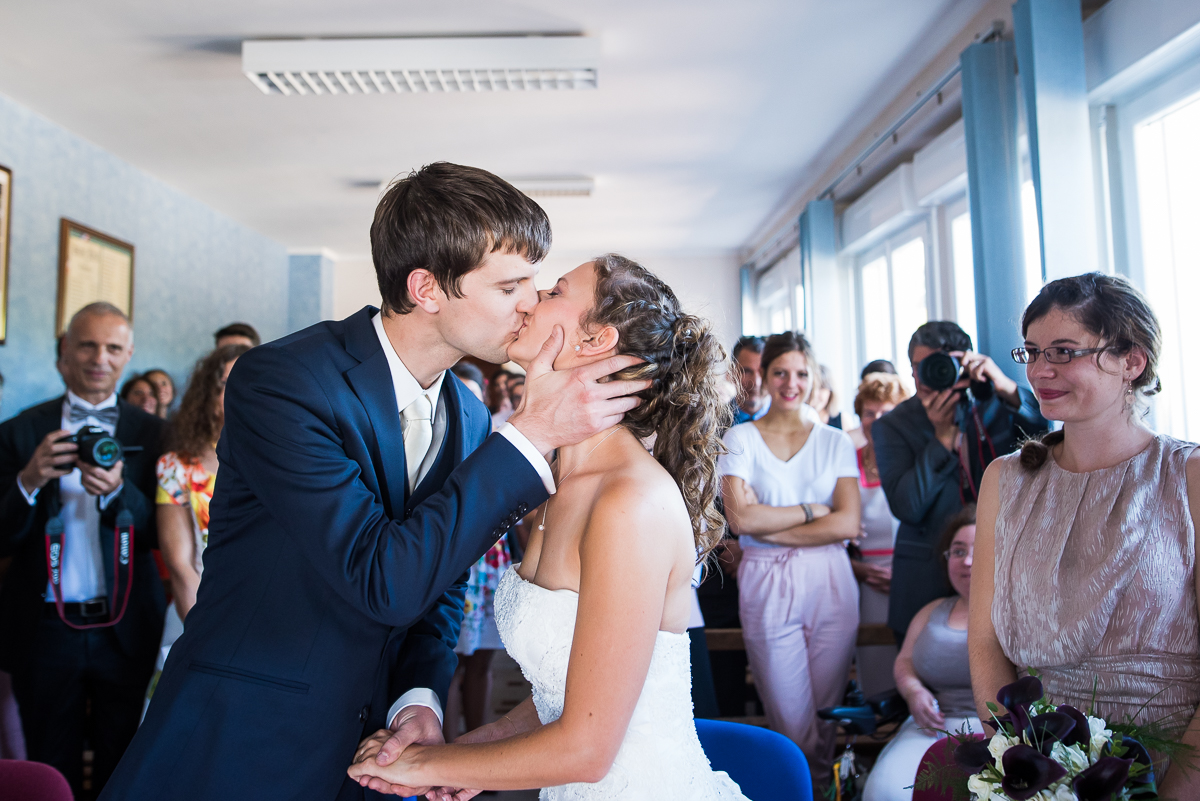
x: 418, y: 696
x: 522, y: 443
x: 30, y: 497
x: 105, y: 500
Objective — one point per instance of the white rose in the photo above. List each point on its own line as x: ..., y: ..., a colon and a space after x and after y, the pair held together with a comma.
x: 981, y: 789
x: 998, y: 745
x: 1101, y: 735
x: 1070, y: 757
x: 1063, y: 793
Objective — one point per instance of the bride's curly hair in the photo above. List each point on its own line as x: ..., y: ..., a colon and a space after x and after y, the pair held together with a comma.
x: 683, y: 405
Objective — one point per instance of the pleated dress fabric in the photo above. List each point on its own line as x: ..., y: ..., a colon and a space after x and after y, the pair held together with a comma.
x: 1095, y: 583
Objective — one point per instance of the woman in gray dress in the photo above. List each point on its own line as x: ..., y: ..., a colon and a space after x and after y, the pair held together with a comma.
x: 1085, y: 555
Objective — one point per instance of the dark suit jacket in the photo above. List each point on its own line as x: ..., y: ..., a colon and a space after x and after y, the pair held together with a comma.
x: 325, y: 590
x: 22, y: 534
x: 921, y: 481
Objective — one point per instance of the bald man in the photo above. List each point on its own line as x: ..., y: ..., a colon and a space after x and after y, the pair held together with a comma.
x: 80, y: 640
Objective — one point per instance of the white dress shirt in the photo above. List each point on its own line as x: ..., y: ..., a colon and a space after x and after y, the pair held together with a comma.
x: 407, y: 388
x: 82, y: 575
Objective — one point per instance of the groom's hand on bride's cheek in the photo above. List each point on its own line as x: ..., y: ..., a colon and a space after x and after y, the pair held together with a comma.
x: 563, y: 407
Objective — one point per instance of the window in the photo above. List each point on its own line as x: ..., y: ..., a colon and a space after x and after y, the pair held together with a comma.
x: 893, y: 294
x: 962, y: 252
x: 779, y: 295
x: 1032, y: 239
x: 1168, y: 185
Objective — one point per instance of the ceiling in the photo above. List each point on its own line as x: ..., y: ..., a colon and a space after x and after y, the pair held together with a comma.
x: 708, y: 111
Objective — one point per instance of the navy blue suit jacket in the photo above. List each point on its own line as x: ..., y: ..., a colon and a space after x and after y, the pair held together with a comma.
x: 327, y: 590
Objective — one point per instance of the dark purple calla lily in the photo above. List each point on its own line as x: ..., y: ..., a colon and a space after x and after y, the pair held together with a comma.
x: 1102, y: 781
x: 1081, y: 735
x: 1049, y: 728
x: 1022, y: 692
x: 1027, y: 772
x: 1138, y: 753
x: 973, y: 756
x: 1017, y: 697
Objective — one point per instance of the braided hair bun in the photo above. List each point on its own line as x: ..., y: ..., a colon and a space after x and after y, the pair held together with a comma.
x: 685, y: 362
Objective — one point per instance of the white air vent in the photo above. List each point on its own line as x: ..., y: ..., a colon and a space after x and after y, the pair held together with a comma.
x: 432, y: 64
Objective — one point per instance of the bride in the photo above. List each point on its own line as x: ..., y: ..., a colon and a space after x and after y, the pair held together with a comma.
x: 597, y: 612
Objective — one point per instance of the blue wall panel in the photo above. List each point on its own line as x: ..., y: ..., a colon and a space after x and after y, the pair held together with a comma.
x: 195, y: 269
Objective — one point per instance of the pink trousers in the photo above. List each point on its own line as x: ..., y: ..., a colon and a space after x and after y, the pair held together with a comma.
x: 799, y: 611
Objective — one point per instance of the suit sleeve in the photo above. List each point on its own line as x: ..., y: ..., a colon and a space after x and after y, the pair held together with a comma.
x: 427, y: 658
x: 17, y: 516
x: 911, y: 478
x: 281, y: 437
x: 1028, y: 418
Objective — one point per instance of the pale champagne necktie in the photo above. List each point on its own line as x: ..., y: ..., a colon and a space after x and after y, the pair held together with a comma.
x: 416, y: 421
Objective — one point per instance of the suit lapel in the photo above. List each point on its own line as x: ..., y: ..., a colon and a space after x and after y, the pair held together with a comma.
x: 371, y: 381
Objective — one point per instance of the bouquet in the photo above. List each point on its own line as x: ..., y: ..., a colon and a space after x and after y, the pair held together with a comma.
x: 1051, y: 753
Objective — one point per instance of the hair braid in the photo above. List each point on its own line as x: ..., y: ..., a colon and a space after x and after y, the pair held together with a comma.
x: 683, y: 405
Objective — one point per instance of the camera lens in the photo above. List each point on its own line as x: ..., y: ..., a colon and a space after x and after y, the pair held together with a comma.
x: 106, y: 452
x: 939, y: 371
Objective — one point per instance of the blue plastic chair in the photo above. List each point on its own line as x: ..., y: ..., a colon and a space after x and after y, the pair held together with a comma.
x: 765, y: 764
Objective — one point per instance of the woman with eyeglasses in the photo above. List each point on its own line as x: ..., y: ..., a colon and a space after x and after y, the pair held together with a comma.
x: 1087, y: 538
x: 932, y: 671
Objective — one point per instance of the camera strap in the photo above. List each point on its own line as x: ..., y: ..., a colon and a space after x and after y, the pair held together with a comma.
x: 122, y: 563
x: 982, y: 438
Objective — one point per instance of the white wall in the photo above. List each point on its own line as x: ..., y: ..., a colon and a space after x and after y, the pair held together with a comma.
x: 706, y: 283
x: 354, y: 285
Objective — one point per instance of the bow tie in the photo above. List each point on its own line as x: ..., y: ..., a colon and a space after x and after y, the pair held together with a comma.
x: 106, y: 416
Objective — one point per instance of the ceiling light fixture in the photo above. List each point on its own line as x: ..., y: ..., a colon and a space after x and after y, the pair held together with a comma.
x: 426, y: 64
x: 534, y: 186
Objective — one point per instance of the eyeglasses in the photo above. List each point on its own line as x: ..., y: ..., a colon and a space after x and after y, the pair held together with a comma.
x: 1053, y: 355
x: 959, y: 553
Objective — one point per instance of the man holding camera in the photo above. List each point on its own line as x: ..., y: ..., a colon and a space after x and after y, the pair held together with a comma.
x: 932, y: 450
x: 81, y: 610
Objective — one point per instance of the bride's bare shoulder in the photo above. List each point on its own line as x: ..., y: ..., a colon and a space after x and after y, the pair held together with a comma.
x: 638, y: 499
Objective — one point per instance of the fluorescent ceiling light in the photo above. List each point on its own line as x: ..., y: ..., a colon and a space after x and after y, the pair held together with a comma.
x: 427, y: 64
x: 534, y: 186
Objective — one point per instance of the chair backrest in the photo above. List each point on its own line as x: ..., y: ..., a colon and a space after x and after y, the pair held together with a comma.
x: 765, y: 764
x: 936, y: 756
x: 32, y: 781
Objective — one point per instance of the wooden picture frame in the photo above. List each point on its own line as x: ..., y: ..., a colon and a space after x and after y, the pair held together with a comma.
x: 92, y: 266
x: 5, y: 226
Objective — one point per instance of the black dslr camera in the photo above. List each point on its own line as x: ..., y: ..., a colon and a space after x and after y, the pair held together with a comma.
x: 940, y: 371
x: 97, y: 447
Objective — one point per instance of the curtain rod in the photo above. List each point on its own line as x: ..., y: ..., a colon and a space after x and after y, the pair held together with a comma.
x: 886, y: 135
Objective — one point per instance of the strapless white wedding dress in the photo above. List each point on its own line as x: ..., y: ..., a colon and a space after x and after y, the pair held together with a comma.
x: 660, y: 758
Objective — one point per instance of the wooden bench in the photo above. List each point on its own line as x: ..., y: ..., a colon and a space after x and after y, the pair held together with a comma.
x: 871, y: 634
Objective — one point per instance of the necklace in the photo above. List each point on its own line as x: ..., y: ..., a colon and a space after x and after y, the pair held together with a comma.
x: 546, y: 509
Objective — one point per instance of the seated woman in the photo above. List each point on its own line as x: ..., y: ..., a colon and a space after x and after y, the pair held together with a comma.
x: 932, y: 672
x: 597, y: 612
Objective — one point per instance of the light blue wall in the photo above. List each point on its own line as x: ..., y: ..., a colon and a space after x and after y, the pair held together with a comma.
x: 310, y: 289
x: 195, y: 270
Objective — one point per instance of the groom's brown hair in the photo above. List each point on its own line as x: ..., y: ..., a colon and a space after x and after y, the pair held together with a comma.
x: 446, y: 218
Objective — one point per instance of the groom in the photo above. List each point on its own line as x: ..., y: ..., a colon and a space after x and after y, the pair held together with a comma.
x: 357, y: 485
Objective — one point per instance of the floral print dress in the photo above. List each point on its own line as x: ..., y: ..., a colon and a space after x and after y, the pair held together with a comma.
x: 187, y: 483
x: 479, y: 613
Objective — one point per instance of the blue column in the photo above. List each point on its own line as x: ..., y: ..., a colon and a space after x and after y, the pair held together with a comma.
x: 310, y: 289
x: 1049, y: 40
x: 989, y: 89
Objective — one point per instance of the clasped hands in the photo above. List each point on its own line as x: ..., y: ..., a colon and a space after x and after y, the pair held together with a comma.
x: 388, y: 760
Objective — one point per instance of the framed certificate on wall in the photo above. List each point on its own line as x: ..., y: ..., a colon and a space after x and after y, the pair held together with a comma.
x: 5, y: 220
x: 91, y: 267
